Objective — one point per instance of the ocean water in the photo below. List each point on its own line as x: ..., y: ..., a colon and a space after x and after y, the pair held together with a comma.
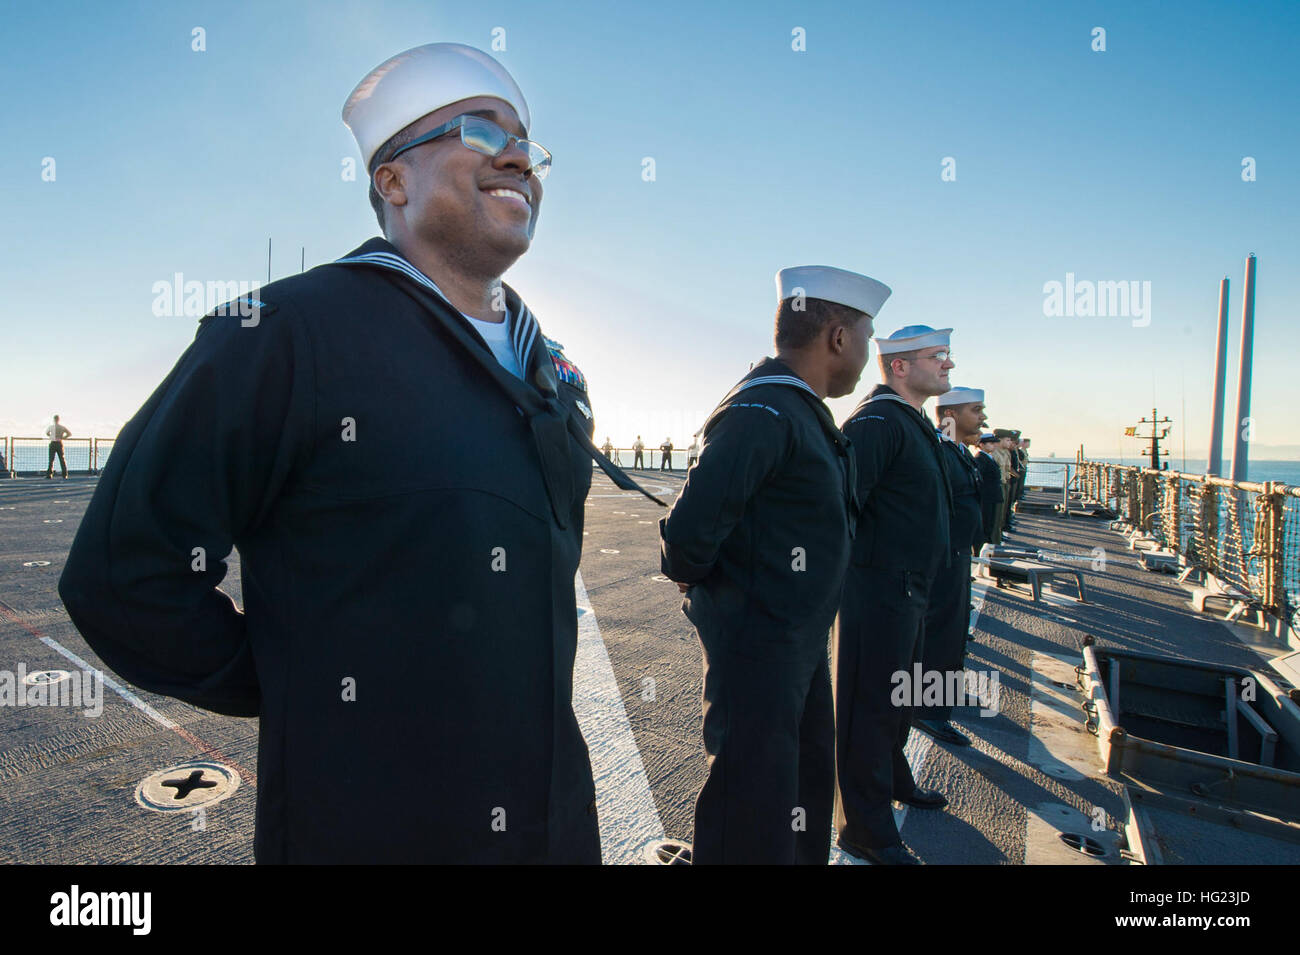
x: 1047, y: 471
x: 1288, y: 472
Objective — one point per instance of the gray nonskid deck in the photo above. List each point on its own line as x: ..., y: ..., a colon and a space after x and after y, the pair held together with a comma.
x: 68, y: 780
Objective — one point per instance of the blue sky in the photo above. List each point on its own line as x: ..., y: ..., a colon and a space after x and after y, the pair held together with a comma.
x: 1122, y: 165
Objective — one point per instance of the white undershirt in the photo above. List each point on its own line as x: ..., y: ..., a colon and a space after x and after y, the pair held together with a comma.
x: 497, y: 336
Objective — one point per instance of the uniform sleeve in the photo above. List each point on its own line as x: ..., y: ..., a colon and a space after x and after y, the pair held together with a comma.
x: 739, y: 453
x: 198, y: 466
x: 876, y: 440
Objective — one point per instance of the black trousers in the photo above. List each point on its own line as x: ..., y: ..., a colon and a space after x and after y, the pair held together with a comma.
x: 56, y: 448
x: 637, y: 461
x: 769, y: 732
x: 880, y: 632
x: 947, y: 620
x: 667, y: 463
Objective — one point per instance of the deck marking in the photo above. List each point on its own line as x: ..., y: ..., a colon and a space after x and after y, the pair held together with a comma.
x: 130, y: 697
x: 112, y: 684
x: 978, y: 590
x: 626, y: 807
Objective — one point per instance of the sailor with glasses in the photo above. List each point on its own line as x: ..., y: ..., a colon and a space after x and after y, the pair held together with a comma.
x: 902, y: 540
x: 407, y: 639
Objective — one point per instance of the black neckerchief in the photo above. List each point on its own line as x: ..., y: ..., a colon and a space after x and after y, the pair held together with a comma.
x: 537, y: 397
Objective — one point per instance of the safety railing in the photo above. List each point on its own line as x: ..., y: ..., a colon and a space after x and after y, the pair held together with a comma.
x: 1055, y: 476
x: 652, y: 459
x: 1244, y: 533
x: 30, y: 457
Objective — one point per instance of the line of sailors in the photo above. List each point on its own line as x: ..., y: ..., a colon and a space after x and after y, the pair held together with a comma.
x: 665, y: 451
x: 789, y: 528
x: 786, y: 526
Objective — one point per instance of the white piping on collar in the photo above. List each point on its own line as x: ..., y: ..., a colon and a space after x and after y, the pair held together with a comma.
x: 792, y: 380
x: 523, y: 328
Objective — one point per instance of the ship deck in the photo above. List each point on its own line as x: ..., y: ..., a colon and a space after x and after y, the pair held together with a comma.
x: 68, y: 783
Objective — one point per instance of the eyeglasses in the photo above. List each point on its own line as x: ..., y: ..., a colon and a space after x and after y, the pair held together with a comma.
x: 939, y: 356
x: 486, y: 137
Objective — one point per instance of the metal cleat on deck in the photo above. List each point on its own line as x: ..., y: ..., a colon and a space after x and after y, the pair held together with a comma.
x: 1234, y: 602
x: 1137, y: 541
x: 1163, y: 561
x: 1089, y: 507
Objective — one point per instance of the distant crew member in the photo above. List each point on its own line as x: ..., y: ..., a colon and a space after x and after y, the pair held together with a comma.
x: 408, y: 638
x: 902, y: 541
x: 693, y: 452
x: 638, y: 448
x: 608, y: 448
x: 56, y: 433
x: 1009, y: 439
x: 759, y: 541
x: 666, y: 449
x: 990, y: 489
x: 1022, y: 452
x: 947, y: 618
x: 1003, y: 457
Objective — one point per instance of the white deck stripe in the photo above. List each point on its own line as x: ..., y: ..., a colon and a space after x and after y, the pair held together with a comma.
x: 977, y: 592
x: 112, y: 684
x: 628, y: 816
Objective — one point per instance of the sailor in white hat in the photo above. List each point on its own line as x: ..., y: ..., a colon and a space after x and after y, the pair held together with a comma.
x: 990, y: 487
x: 961, y: 417
x: 457, y: 571
x: 759, y: 541
x: 443, y: 131
x: 902, y: 541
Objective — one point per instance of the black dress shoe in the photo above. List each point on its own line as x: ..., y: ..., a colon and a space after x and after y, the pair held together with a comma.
x: 887, y: 855
x: 924, y: 799
x: 944, y: 732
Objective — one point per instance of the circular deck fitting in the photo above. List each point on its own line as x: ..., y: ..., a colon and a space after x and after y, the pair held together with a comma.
x: 46, y: 677
x: 661, y: 578
x: 187, y: 786
x: 1082, y: 844
x: 667, y: 852
x: 608, y: 550
x: 36, y: 563
x: 53, y: 520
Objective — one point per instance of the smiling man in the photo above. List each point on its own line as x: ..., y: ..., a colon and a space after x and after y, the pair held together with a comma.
x: 408, y: 637
x: 902, y: 540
